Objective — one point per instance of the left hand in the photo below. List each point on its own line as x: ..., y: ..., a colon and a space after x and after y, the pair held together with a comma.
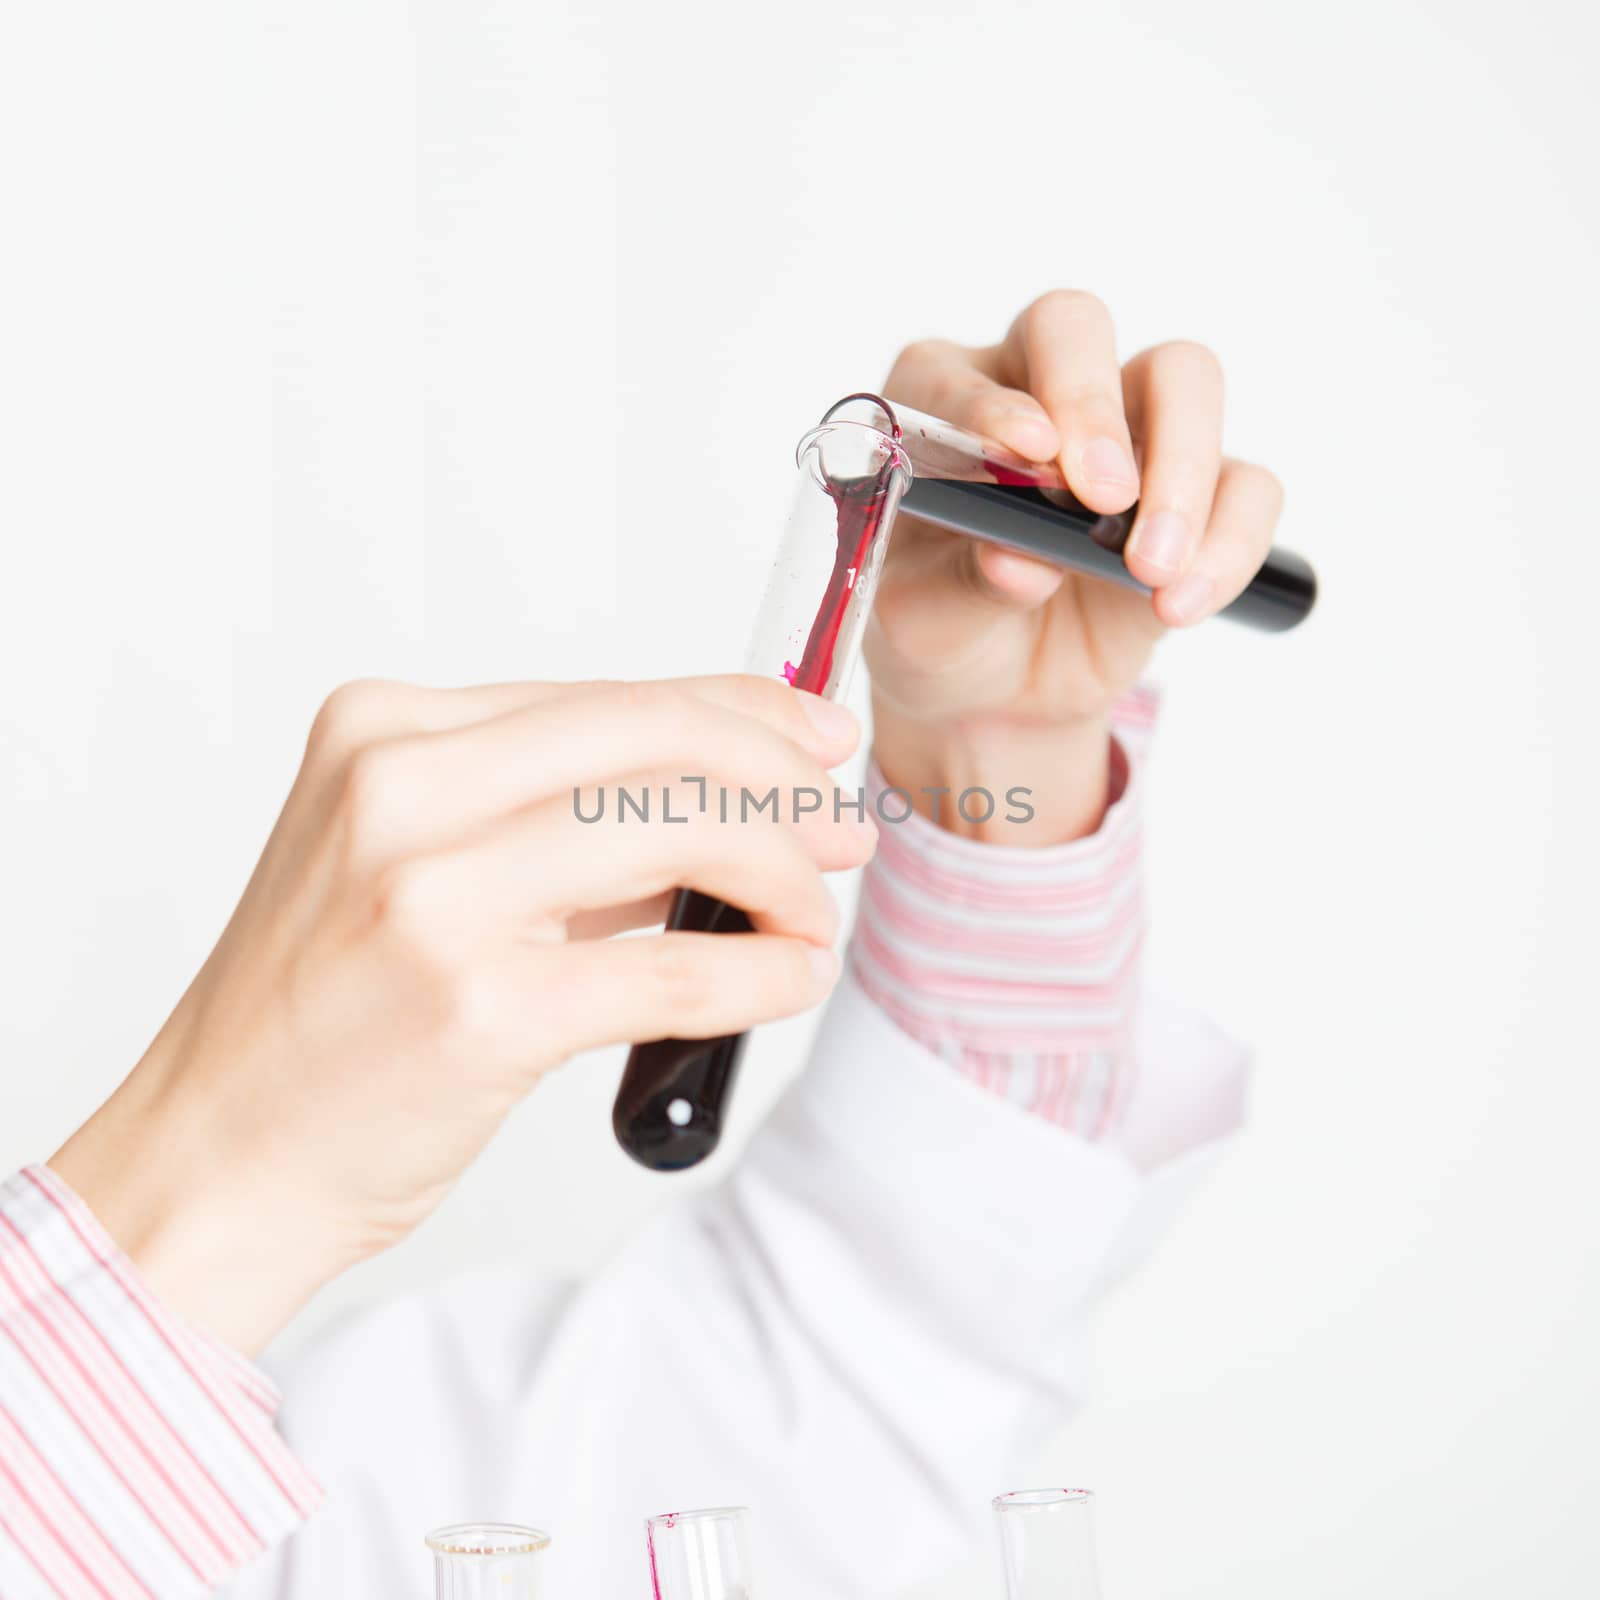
x: 990, y: 667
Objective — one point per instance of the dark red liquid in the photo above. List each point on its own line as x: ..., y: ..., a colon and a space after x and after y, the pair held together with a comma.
x: 859, y: 503
x: 693, y: 1077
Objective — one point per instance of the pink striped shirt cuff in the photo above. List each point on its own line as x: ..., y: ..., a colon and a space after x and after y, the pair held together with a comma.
x: 1018, y: 966
x: 138, y: 1455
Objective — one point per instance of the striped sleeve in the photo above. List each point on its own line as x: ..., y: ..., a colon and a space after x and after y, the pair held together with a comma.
x: 1019, y: 966
x: 138, y: 1456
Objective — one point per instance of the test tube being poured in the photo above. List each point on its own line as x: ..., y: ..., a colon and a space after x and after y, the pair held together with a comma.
x: 869, y: 459
x: 488, y: 1561
x: 1047, y: 1543
x: 700, y: 1555
x: 669, y: 1107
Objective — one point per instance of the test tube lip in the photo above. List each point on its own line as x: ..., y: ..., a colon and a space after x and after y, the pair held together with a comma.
x: 1034, y: 1499
x: 671, y: 1519
x: 887, y: 446
x: 944, y: 451
x: 486, y: 1539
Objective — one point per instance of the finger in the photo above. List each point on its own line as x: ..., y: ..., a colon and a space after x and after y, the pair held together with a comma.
x: 1012, y: 579
x: 420, y: 792
x: 1063, y: 350
x: 941, y: 599
x: 761, y: 868
x: 835, y: 833
x: 613, y: 920
x: 369, y: 710
x: 677, y: 986
x: 1243, y: 515
x: 536, y: 869
x: 1174, y: 401
x: 959, y: 385
x: 829, y: 731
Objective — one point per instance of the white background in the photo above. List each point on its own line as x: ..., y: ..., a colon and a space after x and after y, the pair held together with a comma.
x: 469, y: 340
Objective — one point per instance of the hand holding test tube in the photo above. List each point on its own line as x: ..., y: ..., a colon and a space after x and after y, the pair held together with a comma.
x: 867, y: 460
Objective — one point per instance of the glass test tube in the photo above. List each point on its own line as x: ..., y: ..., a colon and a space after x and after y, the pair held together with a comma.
x: 1047, y: 1543
x: 974, y: 486
x: 700, y: 1555
x: 669, y: 1106
x: 488, y: 1561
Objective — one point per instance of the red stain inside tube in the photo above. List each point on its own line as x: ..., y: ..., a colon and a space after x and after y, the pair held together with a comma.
x: 860, y: 504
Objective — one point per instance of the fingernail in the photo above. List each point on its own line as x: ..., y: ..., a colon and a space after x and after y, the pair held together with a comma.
x: 1106, y: 461
x: 1163, y: 540
x: 1190, y: 598
x: 824, y: 966
x: 836, y: 723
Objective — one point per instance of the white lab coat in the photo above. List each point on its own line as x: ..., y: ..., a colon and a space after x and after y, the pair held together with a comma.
x: 855, y: 1334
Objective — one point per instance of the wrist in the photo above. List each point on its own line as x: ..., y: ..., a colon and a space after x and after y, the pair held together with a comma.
x: 218, y: 1242
x: 1064, y: 769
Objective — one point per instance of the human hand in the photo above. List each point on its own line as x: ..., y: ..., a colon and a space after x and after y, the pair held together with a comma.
x: 994, y: 669
x: 425, y: 936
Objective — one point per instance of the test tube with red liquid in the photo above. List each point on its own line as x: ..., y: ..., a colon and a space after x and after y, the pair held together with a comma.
x: 867, y: 461
x: 669, y: 1108
x: 700, y: 1555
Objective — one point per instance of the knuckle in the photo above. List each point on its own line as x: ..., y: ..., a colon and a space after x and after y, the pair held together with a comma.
x: 460, y: 1004
x: 990, y: 403
x: 1056, y: 306
x: 404, y: 902
x: 1090, y: 402
x: 1189, y: 358
x: 1262, y: 481
x: 349, y: 715
x: 680, y: 977
x: 652, y: 699
x: 919, y: 355
x: 793, y: 979
x: 915, y: 354
x: 372, y: 789
x: 768, y: 701
x: 407, y: 914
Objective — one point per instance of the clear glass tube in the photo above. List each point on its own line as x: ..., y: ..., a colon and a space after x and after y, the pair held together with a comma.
x: 853, y: 472
x: 488, y: 1561
x: 1047, y: 1543
x: 668, y: 1113
x: 700, y: 1555
x: 975, y: 486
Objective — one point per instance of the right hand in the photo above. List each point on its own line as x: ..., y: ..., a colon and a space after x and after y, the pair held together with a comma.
x: 424, y: 938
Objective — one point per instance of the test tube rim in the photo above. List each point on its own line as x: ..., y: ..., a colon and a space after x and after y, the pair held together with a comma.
x: 1040, y: 1499
x: 894, y: 454
x: 671, y: 1519
x: 450, y: 1539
